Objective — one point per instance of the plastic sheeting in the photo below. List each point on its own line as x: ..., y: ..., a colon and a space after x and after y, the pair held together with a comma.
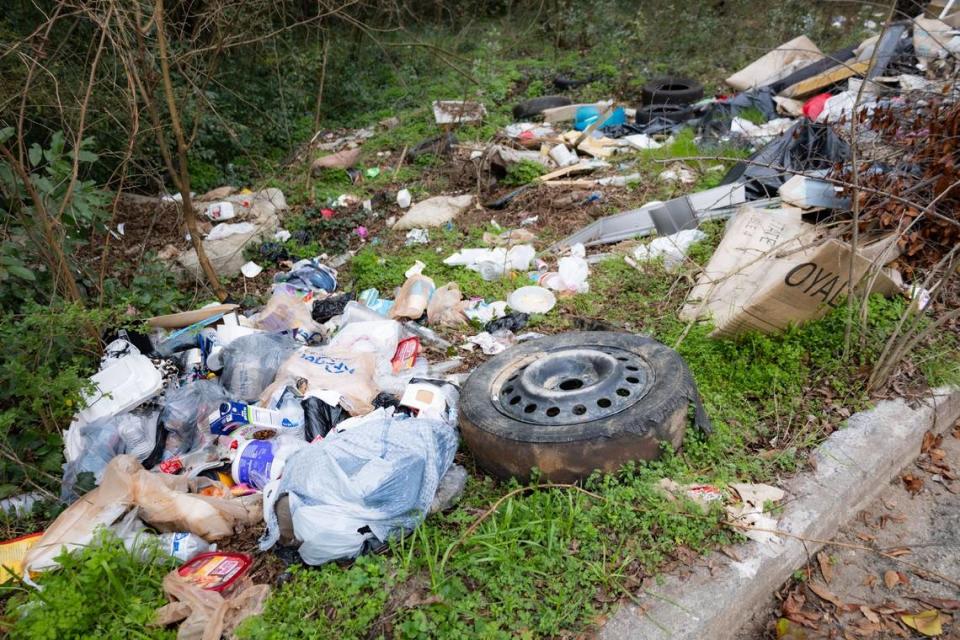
x: 805, y: 146
x: 250, y: 363
x: 368, y: 482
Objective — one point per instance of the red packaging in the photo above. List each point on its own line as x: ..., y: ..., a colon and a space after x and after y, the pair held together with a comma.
x: 406, y: 354
x: 814, y: 106
x: 216, y: 570
x: 172, y: 466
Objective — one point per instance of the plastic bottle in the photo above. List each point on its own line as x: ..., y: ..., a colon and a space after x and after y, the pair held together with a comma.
x: 184, y: 546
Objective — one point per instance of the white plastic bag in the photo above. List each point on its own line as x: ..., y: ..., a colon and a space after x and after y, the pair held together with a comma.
x: 379, y: 338
x: 379, y: 477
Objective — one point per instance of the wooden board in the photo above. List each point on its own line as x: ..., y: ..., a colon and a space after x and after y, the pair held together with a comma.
x: 810, y: 86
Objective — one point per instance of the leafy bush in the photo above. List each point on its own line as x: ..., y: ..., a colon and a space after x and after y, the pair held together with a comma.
x: 523, y: 172
x: 102, y: 591
x: 48, y: 354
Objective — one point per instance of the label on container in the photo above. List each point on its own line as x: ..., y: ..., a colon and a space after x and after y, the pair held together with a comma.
x: 215, y: 571
x: 253, y: 466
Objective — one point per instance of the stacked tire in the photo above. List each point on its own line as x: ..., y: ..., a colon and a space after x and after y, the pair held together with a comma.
x: 668, y: 98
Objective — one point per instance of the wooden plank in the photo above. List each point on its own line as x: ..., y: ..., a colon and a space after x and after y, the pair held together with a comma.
x: 809, y: 86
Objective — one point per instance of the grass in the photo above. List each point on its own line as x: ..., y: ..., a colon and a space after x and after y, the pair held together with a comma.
x: 102, y: 591
x: 547, y: 562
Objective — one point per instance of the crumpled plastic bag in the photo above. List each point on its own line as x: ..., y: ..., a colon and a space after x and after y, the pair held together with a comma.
x: 101, y: 443
x: 412, y: 299
x: 250, y: 363
x: 673, y: 248
x: 208, y: 615
x: 133, y: 432
x: 368, y: 482
x: 185, y: 408
x: 446, y: 306
x: 348, y: 373
x: 163, y: 502
x: 284, y: 311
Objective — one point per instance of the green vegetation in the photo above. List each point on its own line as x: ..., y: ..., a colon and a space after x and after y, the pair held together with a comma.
x: 48, y: 355
x: 545, y: 561
x: 548, y: 561
x: 102, y: 591
x: 523, y: 172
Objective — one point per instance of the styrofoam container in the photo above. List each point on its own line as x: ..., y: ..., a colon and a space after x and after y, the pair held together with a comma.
x: 532, y: 300
x: 129, y: 382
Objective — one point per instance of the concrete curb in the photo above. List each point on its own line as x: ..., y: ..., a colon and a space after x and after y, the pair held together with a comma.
x: 852, y: 467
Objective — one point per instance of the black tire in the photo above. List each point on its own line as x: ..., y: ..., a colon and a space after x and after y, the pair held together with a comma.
x: 673, y: 112
x: 535, y: 106
x: 671, y: 90
x: 509, y: 439
x: 563, y: 83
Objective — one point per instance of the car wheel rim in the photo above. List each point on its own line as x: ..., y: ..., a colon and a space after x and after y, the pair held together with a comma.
x: 573, y: 385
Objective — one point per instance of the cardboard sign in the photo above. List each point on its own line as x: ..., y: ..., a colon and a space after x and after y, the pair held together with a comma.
x: 772, y: 269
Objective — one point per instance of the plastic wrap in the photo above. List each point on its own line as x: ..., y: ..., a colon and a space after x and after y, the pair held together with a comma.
x: 101, y: 443
x: 379, y: 477
x: 184, y: 409
x: 250, y: 363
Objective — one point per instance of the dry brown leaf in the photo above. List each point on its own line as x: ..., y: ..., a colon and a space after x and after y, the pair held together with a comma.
x: 870, y: 581
x: 792, y: 609
x: 869, y: 614
x: 930, y: 441
x: 896, y: 552
x: 912, y: 483
x: 903, y: 577
x: 891, y: 579
x: 824, y: 593
x: 826, y: 567
x: 866, y: 537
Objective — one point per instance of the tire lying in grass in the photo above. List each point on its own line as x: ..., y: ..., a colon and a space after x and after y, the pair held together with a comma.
x: 670, y: 112
x: 576, y: 402
x: 534, y: 106
x: 671, y: 90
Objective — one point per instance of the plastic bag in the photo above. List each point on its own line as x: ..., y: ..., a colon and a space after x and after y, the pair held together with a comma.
x: 379, y: 338
x: 320, y: 418
x: 250, y: 363
x: 573, y: 272
x: 510, y: 322
x: 446, y: 306
x: 286, y: 310
x: 413, y: 297
x: 379, y: 477
x: 328, y: 307
x: 101, y: 443
x: 185, y: 412
x: 349, y: 374
x: 164, y: 504
x: 309, y: 275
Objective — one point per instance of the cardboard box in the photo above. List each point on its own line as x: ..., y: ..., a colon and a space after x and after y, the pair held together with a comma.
x: 772, y: 269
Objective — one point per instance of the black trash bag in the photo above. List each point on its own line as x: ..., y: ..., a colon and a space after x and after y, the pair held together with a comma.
x: 331, y: 306
x: 275, y: 251
x: 385, y: 399
x: 716, y: 120
x: 511, y: 322
x: 319, y: 418
x: 806, y: 146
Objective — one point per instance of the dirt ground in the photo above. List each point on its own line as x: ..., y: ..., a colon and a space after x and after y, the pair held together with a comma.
x: 850, y: 591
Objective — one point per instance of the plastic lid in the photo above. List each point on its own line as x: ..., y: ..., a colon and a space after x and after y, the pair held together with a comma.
x: 532, y: 300
x: 216, y: 570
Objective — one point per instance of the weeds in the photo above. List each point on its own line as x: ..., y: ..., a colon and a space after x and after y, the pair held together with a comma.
x: 100, y: 591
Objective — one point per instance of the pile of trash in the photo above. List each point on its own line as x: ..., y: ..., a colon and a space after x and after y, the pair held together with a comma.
x: 319, y: 416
